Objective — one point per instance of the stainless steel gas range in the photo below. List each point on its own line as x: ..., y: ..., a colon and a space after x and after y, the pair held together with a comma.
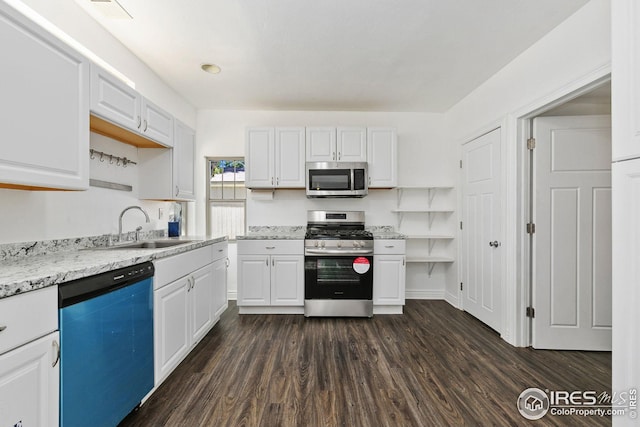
x: 338, y: 265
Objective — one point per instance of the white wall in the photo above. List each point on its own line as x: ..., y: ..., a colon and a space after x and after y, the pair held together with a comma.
x: 423, y: 157
x: 572, y: 55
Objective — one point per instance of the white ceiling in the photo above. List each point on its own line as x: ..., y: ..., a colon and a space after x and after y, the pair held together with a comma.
x: 366, y: 55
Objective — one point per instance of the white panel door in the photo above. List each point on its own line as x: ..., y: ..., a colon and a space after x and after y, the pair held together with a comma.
x: 351, y: 144
x: 287, y: 280
x: 382, y: 157
x: 254, y: 280
x: 389, y: 279
x: 572, y: 240
x: 157, y: 124
x: 184, y: 156
x: 481, y: 248
x: 44, y: 105
x: 202, y: 300
x: 259, y: 149
x: 290, y: 157
x: 320, y: 144
x: 29, y: 384
x: 171, y: 327
x: 113, y: 100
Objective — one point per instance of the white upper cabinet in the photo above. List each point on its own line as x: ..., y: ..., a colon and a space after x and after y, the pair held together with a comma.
x: 289, y: 162
x: 321, y: 144
x: 184, y: 156
x: 259, y: 158
x: 343, y: 144
x: 44, y: 108
x: 382, y: 157
x: 275, y: 157
x: 168, y: 174
x: 157, y: 124
x: 114, y: 101
x: 351, y: 144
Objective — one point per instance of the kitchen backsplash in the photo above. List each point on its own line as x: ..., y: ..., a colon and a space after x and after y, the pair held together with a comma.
x: 45, y: 247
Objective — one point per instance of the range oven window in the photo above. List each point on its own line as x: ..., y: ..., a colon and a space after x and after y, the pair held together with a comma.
x: 329, y: 179
x: 333, y: 271
x: 338, y: 277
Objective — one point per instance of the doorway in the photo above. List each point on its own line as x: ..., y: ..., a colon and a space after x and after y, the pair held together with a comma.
x: 569, y: 225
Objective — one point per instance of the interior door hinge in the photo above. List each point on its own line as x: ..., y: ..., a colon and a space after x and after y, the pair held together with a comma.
x: 460, y: 164
x: 461, y: 286
x: 531, y: 143
x: 460, y: 225
x: 531, y: 228
x: 531, y: 312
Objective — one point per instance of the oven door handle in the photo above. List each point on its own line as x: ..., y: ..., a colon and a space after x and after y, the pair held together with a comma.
x: 338, y: 252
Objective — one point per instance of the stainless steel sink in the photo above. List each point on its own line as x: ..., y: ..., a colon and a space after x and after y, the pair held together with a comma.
x: 150, y: 244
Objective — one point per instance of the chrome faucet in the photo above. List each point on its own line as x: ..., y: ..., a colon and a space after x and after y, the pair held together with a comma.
x: 137, y: 229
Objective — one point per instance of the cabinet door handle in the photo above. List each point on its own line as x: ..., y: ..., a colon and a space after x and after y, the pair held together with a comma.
x: 369, y: 180
x: 389, y: 246
x: 56, y: 352
x: 139, y: 122
x: 145, y: 125
x: 228, y: 262
x: 267, y: 262
x: 277, y: 181
x: 339, y: 155
x: 403, y: 261
x: 333, y: 155
x: 270, y: 247
x: 177, y: 190
x: 2, y: 328
x: 273, y: 262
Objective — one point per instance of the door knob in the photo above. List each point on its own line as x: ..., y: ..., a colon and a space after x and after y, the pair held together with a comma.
x: 494, y: 244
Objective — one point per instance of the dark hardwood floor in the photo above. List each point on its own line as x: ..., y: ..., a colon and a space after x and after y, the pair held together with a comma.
x: 432, y: 366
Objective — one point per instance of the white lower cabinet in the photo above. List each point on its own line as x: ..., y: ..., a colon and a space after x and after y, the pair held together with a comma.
x: 389, y: 272
x: 29, y: 384
x: 270, y: 274
x: 189, y: 296
x: 30, y: 359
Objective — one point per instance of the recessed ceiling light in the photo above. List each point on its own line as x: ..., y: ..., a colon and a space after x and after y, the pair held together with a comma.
x: 211, y: 68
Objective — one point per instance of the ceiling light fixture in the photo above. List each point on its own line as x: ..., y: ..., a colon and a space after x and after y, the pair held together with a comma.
x: 211, y: 68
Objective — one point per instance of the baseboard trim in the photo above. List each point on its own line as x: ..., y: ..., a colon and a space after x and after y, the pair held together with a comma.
x: 232, y: 295
x: 424, y: 294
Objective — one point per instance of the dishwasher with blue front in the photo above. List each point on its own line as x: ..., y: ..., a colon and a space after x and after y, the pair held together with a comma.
x: 106, y: 342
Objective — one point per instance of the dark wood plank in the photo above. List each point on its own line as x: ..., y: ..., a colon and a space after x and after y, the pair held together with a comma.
x: 434, y: 365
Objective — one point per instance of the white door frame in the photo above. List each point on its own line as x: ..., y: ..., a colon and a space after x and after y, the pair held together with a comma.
x: 515, y: 200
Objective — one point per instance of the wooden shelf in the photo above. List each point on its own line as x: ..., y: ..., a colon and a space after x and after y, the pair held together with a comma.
x: 103, y: 127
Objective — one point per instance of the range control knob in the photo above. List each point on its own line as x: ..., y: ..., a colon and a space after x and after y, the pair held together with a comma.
x: 322, y: 244
x: 356, y: 244
x: 315, y: 243
x: 339, y: 244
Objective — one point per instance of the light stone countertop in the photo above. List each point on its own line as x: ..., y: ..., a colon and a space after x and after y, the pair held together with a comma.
x: 24, y: 274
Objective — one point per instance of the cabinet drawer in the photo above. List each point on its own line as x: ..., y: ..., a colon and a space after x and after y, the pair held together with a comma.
x: 393, y: 246
x: 174, y: 267
x: 271, y: 247
x: 27, y: 317
x: 220, y: 250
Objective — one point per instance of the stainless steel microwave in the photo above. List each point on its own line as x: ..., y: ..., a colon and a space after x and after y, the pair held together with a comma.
x: 337, y: 179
